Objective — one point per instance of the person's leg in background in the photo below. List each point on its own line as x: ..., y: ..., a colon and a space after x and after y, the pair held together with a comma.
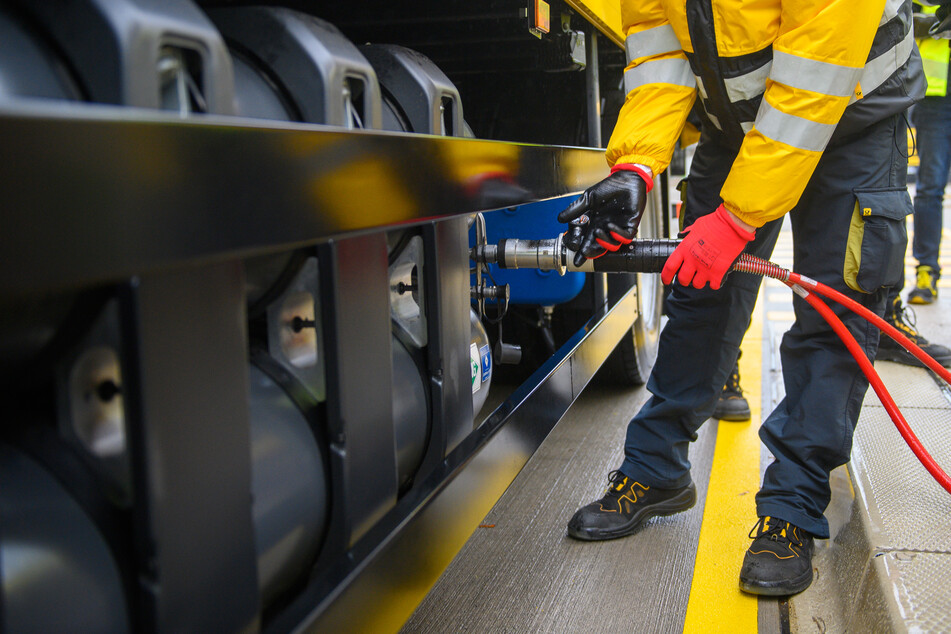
x: 732, y: 405
x: 934, y: 150
x: 903, y: 319
x: 932, y: 119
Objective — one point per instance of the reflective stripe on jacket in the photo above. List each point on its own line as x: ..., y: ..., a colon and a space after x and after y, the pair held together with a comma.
x: 776, y: 78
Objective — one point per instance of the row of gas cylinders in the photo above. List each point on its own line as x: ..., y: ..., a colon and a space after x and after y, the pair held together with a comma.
x: 259, y: 62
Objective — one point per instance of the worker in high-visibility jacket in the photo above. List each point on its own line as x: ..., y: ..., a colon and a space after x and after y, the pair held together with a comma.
x: 802, y: 115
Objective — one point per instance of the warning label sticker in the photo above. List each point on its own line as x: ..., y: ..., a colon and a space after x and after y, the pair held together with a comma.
x: 475, y: 363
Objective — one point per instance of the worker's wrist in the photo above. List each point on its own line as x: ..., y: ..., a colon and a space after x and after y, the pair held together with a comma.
x: 643, y: 171
x: 742, y: 224
x: 743, y: 229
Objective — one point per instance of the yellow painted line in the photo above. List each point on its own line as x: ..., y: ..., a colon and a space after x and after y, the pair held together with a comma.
x: 716, y: 603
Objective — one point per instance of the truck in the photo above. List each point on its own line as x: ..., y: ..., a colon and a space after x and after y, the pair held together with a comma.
x: 254, y: 379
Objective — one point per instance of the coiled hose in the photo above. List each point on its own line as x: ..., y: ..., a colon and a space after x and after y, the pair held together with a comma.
x: 807, y: 288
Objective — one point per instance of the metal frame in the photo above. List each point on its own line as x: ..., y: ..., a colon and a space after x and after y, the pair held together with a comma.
x: 165, y: 209
x: 190, y: 442
x: 97, y: 194
x: 418, y: 538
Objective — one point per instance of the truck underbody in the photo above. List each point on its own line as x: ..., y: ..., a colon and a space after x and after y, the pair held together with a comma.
x: 254, y: 381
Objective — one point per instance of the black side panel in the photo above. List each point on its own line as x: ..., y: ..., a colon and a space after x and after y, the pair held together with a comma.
x: 359, y: 381
x: 452, y: 381
x: 191, y: 450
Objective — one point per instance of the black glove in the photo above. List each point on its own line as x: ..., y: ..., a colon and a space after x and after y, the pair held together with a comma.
x: 942, y: 27
x: 923, y: 23
x: 606, y: 215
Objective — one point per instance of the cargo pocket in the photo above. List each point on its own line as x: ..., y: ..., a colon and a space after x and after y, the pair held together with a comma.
x: 875, y: 255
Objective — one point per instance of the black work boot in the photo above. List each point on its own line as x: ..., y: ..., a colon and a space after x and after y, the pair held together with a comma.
x: 625, y: 506
x: 903, y: 319
x: 732, y: 405
x: 779, y: 561
x: 926, y: 287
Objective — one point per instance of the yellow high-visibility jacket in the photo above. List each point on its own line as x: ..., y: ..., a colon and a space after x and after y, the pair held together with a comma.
x: 935, y: 55
x: 777, y: 80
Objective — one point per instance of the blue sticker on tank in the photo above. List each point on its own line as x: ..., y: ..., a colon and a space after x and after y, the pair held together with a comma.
x: 486, y: 354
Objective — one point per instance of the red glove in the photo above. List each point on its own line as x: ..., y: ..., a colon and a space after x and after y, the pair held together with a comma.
x: 710, y: 247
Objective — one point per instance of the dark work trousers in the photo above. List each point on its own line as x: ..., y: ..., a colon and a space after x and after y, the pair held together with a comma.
x: 932, y: 118
x: 810, y: 431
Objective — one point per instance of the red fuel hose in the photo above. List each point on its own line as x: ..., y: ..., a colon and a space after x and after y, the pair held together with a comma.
x: 807, y: 289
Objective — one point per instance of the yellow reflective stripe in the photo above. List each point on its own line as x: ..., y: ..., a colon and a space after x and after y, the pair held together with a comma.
x: 796, y: 72
x: 814, y: 75
x: 661, y: 71
x: 791, y: 130
x: 703, y: 102
x: 656, y: 41
x: 891, y: 10
x: 711, y: 116
x: 700, y: 87
x: 748, y: 85
x: 884, y: 66
x: 823, y: 77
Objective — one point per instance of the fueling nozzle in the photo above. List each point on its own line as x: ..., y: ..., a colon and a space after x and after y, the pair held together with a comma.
x: 640, y: 256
